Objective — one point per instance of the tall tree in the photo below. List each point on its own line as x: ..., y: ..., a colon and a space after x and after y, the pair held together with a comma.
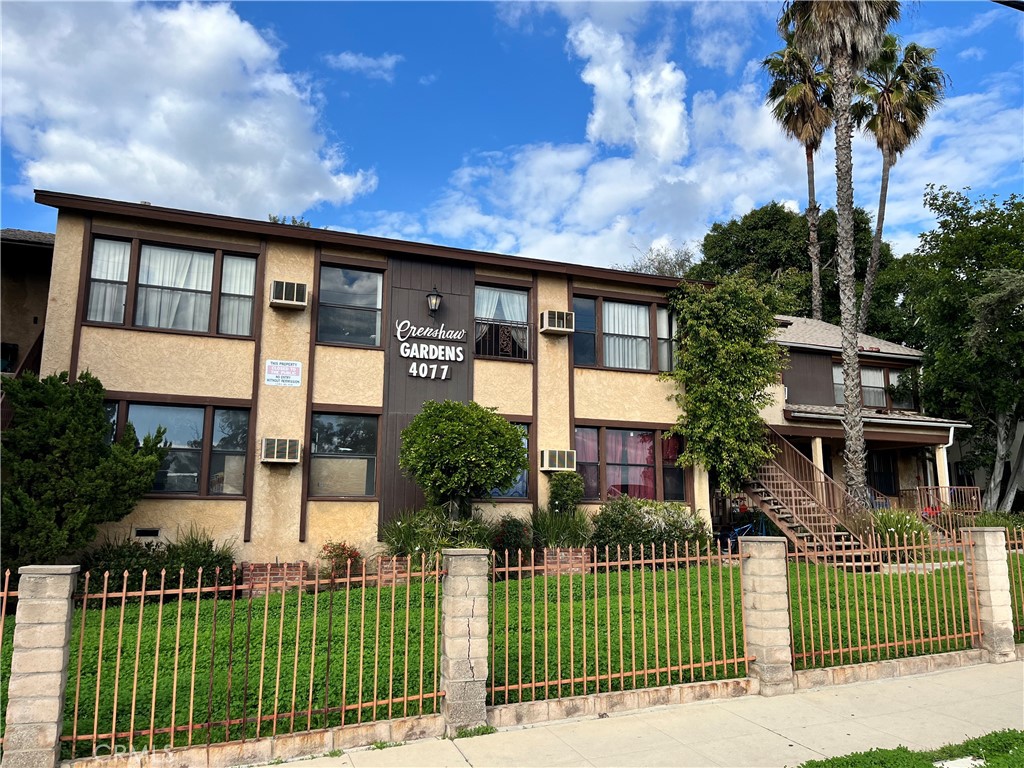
x: 661, y: 260
x: 964, y: 298
x: 897, y: 91
x: 800, y: 100
x: 845, y: 35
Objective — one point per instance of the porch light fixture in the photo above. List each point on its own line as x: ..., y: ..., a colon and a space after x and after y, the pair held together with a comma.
x: 433, y: 301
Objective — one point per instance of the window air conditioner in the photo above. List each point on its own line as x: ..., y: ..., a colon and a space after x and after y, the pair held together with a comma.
x: 555, y: 322
x: 280, y: 450
x: 288, y: 295
x: 558, y: 461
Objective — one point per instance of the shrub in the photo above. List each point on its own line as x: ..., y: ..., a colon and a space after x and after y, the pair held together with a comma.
x: 194, y: 550
x: 428, y: 531
x: 337, y: 556
x: 565, y: 492
x: 640, y: 523
x: 898, y: 528
x: 561, y: 529
x: 1008, y: 520
x: 457, y: 452
x: 511, y: 535
x: 126, y: 554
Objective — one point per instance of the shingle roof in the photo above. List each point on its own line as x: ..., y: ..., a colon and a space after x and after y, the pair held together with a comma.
x: 27, y: 236
x: 873, y: 415
x: 816, y: 334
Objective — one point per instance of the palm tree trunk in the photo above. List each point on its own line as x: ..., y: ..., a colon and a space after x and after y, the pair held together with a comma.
x: 876, y: 242
x: 853, y: 419
x: 813, y: 249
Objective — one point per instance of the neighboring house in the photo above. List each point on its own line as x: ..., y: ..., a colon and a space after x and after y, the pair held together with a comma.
x: 24, y: 285
x: 284, y: 362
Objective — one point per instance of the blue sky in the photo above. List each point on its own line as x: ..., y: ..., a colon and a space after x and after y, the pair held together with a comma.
x: 575, y: 132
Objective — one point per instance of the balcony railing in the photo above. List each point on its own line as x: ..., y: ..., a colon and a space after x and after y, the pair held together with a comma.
x: 500, y: 338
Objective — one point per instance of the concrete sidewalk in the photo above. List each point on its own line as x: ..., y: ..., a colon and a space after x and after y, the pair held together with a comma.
x: 919, y: 712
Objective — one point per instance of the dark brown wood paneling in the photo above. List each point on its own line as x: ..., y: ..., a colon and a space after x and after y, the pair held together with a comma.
x: 808, y: 379
x: 405, y: 394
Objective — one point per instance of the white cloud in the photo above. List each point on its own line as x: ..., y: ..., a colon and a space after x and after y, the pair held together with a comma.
x: 974, y: 53
x: 939, y: 36
x: 375, y: 67
x: 184, y: 106
x: 722, y: 32
x: 428, y: 79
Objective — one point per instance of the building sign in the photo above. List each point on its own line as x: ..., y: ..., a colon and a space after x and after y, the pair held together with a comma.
x: 428, y: 349
x: 283, y: 373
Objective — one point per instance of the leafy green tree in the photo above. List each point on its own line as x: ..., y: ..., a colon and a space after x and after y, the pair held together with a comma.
x: 457, y: 452
x: 801, y: 103
x: 964, y: 300
x: 845, y: 35
x: 63, y: 475
x: 897, y: 91
x: 727, y: 365
x: 295, y: 221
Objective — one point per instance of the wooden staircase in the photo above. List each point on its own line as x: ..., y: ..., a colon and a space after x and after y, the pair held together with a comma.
x: 813, y: 511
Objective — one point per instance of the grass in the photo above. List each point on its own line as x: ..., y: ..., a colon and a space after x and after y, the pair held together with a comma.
x: 1001, y: 749
x: 480, y: 730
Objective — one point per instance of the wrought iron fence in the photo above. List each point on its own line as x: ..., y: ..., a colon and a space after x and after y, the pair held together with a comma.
x: 183, y: 659
x: 1015, y: 561
x: 612, y: 620
x: 896, y: 597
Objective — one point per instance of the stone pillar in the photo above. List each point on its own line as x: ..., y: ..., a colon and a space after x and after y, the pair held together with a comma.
x: 464, y: 648
x: 39, y: 666
x: 988, y: 577
x: 766, y: 614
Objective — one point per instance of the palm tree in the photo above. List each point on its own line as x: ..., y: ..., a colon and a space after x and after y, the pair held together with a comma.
x: 845, y: 35
x: 898, y: 91
x: 800, y: 101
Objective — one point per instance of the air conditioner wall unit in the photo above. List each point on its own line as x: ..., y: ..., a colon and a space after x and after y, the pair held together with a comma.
x: 288, y: 295
x: 280, y: 450
x: 555, y: 322
x: 558, y: 461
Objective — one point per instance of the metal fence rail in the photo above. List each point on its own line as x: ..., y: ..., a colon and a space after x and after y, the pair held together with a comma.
x: 612, y: 620
x: 177, y: 661
x: 1015, y: 561
x: 900, y: 598
x: 8, y: 600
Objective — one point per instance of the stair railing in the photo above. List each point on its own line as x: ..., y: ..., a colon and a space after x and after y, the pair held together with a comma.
x: 847, y: 512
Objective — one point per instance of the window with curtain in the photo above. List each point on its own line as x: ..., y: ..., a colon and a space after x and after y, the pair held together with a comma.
x: 627, y: 335
x: 349, y: 310
x: 520, y: 489
x: 630, y: 463
x: 343, y: 455
x: 837, y: 383
x: 904, y: 401
x: 588, y: 462
x: 173, y: 288
x: 872, y: 384
x: 666, y: 339
x: 502, y: 329
x: 208, y: 446
x: 108, y: 281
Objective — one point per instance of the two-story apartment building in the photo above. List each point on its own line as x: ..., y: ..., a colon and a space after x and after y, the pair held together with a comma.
x: 285, y: 361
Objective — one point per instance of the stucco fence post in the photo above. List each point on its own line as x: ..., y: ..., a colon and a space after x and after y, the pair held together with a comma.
x: 766, y: 613
x: 39, y: 666
x: 464, y: 638
x: 988, y: 578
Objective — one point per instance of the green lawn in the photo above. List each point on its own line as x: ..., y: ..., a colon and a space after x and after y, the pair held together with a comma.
x: 1001, y: 749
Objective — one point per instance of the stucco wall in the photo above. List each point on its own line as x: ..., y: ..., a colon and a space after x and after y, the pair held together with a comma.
x: 773, y: 412
x: 63, y: 297
x: 349, y: 376
x: 353, y: 522
x: 168, y: 363
x: 623, y: 396
x: 223, y: 520
x: 503, y: 385
x: 554, y: 427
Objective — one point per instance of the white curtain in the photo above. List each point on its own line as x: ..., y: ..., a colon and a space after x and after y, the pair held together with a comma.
x: 666, y: 339
x: 873, y: 383
x: 486, y: 304
x: 109, y: 264
x: 627, y: 336
x: 238, y: 282
x: 174, y: 289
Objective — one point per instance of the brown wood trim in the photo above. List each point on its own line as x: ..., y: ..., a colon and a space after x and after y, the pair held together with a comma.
x: 652, y: 337
x: 210, y: 221
x: 172, y: 331
x: 154, y: 398
x: 602, y: 463
x: 571, y: 384
x: 83, y: 286
x: 369, y: 410
x: 503, y: 359
x: 315, y: 499
x: 257, y: 367
x: 195, y: 496
x: 532, y: 449
x: 205, y: 453
x: 343, y: 260
x: 623, y: 296
x: 342, y: 345
x: 216, y: 286
x: 127, y: 233
x: 645, y: 425
x: 307, y: 449
x: 492, y: 281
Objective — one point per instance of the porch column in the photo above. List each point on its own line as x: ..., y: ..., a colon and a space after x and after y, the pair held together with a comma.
x: 942, y: 469
x: 818, y: 453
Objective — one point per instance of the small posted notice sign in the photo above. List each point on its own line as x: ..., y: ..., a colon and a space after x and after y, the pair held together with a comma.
x: 283, y: 373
